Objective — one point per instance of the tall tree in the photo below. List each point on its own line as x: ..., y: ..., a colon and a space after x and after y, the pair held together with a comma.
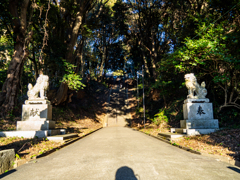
x: 18, y: 12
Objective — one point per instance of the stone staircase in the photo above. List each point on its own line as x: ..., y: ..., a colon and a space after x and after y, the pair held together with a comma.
x: 116, y: 115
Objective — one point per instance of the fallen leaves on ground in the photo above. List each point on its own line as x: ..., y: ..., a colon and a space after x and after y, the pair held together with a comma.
x: 223, y: 142
x: 28, y: 148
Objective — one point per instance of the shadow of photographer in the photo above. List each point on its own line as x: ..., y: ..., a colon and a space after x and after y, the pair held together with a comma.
x: 125, y: 173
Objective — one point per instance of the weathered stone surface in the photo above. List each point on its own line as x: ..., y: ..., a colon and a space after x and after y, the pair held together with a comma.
x: 7, y: 158
x: 199, y: 131
x: 194, y: 87
x: 36, y: 112
x: 38, y: 101
x: 40, y: 87
x: 192, y: 131
x: 206, y: 100
x: 35, y: 125
x: 62, y: 137
x: 36, y: 115
x: 199, y: 111
x: 199, y: 124
x: 32, y: 134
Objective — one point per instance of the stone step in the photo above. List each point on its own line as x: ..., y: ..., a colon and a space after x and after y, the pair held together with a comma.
x: 120, y: 121
x: 62, y: 137
x: 199, y: 131
x: 170, y: 136
x: 32, y: 134
x: 178, y: 130
x: 191, y: 132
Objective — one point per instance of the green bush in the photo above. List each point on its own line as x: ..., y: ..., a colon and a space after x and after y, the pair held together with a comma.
x: 72, y: 79
x: 160, y: 118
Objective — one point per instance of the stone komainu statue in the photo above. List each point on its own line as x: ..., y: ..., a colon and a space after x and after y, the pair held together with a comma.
x: 40, y: 86
x: 193, y: 86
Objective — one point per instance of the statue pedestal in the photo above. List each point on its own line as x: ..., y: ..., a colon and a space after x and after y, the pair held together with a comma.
x: 198, y: 118
x: 36, y: 115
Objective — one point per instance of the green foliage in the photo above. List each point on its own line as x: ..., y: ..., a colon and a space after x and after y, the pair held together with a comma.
x: 17, y: 156
x: 6, y: 46
x: 118, y: 73
x: 210, y: 47
x: 159, y: 118
x: 105, y: 84
x: 229, y: 117
x: 214, y: 56
x: 72, y: 79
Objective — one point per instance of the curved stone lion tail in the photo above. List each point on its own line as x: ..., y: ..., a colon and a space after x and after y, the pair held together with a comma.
x: 30, y: 86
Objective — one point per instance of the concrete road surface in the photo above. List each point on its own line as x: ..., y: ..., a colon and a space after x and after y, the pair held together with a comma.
x: 123, y: 154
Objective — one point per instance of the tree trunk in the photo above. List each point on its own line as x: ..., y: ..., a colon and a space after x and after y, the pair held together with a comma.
x: 91, y: 72
x: 102, y: 63
x: 82, y: 60
x: 79, y: 56
x: 145, y: 62
x: 104, y: 51
x: 153, y: 56
x: 84, y: 6
x: 62, y: 94
x: 33, y: 59
x: 10, y: 89
x: 73, y: 38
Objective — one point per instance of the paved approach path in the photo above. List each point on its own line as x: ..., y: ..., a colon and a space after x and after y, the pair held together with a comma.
x: 123, y: 154
x: 117, y: 110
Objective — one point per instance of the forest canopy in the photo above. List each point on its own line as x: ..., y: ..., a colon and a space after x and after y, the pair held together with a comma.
x: 71, y: 40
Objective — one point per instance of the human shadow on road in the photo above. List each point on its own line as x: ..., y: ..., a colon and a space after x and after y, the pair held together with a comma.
x: 234, y: 169
x: 125, y: 173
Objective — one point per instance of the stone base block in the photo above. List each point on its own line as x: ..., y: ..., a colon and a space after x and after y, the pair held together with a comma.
x: 206, y: 100
x: 178, y: 130
x: 199, y: 124
x: 199, y: 111
x: 62, y: 137
x: 32, y: 134
x: 35, y: 125
x: 36, y: 112
x: 7, y: 158
x: 199, y: 131
x: 170, y: 136
x: 192, y: 131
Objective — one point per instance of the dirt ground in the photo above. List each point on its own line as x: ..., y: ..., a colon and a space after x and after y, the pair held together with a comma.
x: 224, y: 142
x: 27, y: 149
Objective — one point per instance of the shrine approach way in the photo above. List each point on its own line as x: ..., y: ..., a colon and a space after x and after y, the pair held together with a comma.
x: 123, y: 154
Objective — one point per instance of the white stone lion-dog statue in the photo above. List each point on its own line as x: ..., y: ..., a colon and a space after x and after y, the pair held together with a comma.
x: 40, y: 87
x: 193, y: 86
